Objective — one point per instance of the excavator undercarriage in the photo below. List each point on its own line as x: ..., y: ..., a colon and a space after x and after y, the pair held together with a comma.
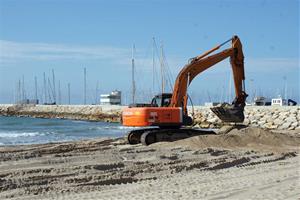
x: 151, y: 135
x: 226, y: 112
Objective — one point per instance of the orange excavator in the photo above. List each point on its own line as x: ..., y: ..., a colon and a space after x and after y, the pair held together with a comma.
x: 167, y: 114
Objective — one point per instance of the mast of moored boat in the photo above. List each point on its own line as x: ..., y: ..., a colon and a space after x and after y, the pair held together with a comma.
x: 133, y: 80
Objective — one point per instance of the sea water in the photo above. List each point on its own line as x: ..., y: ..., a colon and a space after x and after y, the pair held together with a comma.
x: 25, y: 130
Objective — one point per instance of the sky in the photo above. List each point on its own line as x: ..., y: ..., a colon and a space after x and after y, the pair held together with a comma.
x: 67, y: 36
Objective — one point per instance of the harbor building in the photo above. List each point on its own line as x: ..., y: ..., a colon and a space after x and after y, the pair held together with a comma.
x: 114, y: 98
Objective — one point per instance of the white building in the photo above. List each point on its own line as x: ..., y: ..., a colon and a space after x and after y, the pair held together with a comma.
x: 279, y: 102
x: 114, y: 98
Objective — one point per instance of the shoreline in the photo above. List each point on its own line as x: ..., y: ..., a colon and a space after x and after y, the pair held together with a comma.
x: 234, y: 165
x: 266, y: 117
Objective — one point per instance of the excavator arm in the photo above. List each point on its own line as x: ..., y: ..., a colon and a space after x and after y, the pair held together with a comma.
x: 202, y: 63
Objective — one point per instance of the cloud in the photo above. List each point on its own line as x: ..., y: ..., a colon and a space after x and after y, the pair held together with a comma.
x: 15, y: 52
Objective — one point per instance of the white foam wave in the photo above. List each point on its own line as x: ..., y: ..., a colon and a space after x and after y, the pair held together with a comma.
x: 16, y: 134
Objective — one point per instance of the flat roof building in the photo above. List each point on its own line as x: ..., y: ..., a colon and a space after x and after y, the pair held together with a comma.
x: 114, y: 98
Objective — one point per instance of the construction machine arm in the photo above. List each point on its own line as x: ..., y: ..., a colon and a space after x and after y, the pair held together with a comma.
x: 203, y: 62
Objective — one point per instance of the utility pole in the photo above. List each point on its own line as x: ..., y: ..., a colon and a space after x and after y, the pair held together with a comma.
x: 84, y: 101
x: 69, y: 94
x: 133, y: 78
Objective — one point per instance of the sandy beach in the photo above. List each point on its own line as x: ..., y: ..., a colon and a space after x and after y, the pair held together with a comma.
x: 249, y: 163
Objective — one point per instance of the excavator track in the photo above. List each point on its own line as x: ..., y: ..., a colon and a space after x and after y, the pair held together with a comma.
x: 150, y: 136
x: 134, y: 136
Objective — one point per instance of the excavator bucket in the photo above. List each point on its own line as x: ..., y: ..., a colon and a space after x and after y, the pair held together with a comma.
x: 229, y: 113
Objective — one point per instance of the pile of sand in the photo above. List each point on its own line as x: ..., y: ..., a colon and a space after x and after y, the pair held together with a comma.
x: 249, y: 138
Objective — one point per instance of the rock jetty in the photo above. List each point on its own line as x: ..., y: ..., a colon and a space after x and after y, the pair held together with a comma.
x: 266, y: 117
x: 75, y: 112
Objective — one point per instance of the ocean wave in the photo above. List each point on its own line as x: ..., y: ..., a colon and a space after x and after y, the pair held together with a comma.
x: 22, y: 134
x: 111, y: 128
x: 10, y: 123
x: 48, y: 124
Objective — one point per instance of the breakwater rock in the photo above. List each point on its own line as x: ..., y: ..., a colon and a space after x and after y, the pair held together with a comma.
x: 267, y: 117
x: 76, y: 112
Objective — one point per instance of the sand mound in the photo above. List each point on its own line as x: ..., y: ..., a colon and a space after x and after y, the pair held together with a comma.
x: 250, y: 137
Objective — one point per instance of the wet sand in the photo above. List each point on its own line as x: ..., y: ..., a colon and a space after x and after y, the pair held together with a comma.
x: 249, y: 163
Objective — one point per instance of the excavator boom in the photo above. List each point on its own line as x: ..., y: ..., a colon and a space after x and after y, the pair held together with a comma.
x: 233, y: 113
x: 202, y: 63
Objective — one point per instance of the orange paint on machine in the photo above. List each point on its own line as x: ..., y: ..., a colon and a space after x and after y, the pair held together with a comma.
x: 152, y: 116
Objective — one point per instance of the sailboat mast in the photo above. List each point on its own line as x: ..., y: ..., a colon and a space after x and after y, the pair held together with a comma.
x: 35, y: 84
x: 84, y: 86
x: 162, y: 69
x: 53, y: 82
x: 59, y: 93
x: 45, y: 88
x: 23, y: 88
x: 153, y: 64
x: 50, y: 90
x: 69, y: 93
x: 133, y: 78
x: 19, y: 91
x: 229, y: 92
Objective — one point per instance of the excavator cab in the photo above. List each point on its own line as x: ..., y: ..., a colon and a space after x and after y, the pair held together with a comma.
x: 161, y: 100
